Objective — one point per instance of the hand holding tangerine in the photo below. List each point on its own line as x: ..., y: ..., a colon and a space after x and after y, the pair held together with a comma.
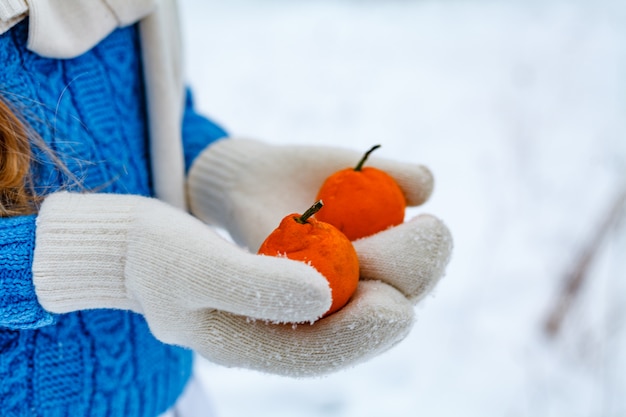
x: 362, y: 200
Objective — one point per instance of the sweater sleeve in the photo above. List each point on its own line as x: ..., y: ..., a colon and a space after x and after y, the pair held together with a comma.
x: 198, y: 132
x: 19, y: 307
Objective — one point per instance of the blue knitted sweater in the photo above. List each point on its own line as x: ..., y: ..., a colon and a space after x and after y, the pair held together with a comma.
x: 90, y: 111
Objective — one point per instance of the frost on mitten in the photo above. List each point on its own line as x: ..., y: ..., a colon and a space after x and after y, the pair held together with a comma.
x: 376, y: 319
x: 411, y: 257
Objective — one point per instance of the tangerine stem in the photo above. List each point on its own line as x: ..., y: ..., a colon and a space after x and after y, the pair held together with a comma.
x: 311, y: 211
x: 359, y: 166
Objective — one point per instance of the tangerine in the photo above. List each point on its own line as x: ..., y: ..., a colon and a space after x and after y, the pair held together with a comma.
x: 319, y: 244
x: 362, y: 200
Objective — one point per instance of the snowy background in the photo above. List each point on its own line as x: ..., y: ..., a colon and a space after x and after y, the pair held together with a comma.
x: 518, y: 109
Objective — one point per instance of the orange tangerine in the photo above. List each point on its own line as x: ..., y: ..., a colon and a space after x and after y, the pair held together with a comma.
x: 303, y: 238
x: 361, y: 201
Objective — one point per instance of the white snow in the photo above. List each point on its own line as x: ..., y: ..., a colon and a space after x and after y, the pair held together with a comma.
x: 518, y: 109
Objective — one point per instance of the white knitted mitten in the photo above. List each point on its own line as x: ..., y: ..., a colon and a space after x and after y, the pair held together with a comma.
x: 247, y: 186
x: 198, y: 290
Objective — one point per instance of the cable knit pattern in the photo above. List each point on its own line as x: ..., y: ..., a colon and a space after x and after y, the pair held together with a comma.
x: 18, y: 305
x: 91, y: 112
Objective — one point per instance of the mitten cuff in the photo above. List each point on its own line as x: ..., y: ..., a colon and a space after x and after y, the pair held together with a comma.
x: 80, y: 252
x: 213, y: 178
